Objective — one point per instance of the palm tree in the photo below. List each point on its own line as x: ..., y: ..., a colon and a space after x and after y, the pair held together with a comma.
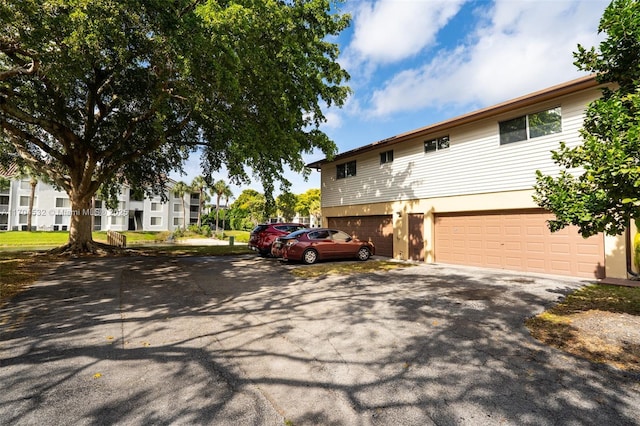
x: 180, y: 189
x: 219, y: 189
x: 199, y: 184
x: 226, y: 195
x: 26, y: 171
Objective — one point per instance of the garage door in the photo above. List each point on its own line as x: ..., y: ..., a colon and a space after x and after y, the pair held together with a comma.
x: 378, y: 229
x: 517, y: 240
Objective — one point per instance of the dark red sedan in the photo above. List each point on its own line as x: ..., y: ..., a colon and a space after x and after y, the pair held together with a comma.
x: 311, y: 245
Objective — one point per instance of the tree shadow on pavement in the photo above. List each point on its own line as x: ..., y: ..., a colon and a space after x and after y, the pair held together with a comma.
x: 240, y: 341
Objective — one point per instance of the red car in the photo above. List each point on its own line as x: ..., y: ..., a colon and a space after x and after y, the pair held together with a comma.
x: 311, y: 245
x: 262, y: 236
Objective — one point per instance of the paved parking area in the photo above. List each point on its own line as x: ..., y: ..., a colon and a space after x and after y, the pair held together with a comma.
x: 240, y: 341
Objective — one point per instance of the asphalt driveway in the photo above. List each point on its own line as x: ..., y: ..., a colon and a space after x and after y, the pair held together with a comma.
x: 239, y: 341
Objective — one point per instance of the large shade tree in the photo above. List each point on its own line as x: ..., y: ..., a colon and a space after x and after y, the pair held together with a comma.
x: 95, y: 93
x: 598, y: 188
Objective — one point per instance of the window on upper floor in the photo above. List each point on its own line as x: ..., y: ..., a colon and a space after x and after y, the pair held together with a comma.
x: 63, y: 202
x: 436, y: 144
x: 531, y: 126
x: 346, y: 169
x: 136, y: 194
x: 386, y: 157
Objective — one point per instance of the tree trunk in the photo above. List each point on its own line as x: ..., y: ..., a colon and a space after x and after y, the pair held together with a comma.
x: 184, y: 215
x: 200, y: 203
x: 80, y: 238
x: 218, y: 213
x: 31, y: 200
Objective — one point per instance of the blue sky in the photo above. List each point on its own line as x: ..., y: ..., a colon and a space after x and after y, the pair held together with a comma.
x: 417, y: 62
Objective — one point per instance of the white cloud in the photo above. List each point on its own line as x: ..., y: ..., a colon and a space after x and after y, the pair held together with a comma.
x: 390, y: 30
x: 521, y: 46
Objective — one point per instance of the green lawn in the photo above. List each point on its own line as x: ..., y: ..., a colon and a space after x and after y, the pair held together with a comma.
x: 17, y: 239
x: 33, y: 238
x: 58, y: 238
x: 239, y: 236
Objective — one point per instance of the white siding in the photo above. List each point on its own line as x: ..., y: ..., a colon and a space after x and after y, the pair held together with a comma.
x: 474, y: 163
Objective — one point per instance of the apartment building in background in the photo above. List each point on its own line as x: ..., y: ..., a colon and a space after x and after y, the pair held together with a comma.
x: 52, y: 209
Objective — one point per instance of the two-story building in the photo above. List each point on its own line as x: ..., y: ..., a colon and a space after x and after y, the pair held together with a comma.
x: 460, y: 191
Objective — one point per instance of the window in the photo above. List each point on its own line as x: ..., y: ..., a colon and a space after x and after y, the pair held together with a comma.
x: 4, y: 200
x: 25, y: 184
x: 155, y: 207
x: 24, y: 201
x: 156, y: 221
x: 177, y: 208
x: 346, y: 169
x: 136, y: 194
x: 59, y: 219
x: 386, y: 157
x: 62, y: 202
x: 340, y: 236
x: 117, y: 220
x: 97, y: 223
x: 319, y: 235
x: 22, y: 218
x: 177, y: 221
x: 436, y: 144
x: 289, y: 228
x: 531, y: 126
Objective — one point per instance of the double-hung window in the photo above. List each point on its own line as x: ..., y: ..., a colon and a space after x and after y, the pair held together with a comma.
x: 386, y: 157
x: 531, y: 126
x: 346, y: 169
x: 436, y: 144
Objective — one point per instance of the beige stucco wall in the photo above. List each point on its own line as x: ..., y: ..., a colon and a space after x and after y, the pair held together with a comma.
x: 615, y: 255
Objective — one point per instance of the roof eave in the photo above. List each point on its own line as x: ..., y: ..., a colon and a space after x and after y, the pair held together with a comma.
x: 549, y: 93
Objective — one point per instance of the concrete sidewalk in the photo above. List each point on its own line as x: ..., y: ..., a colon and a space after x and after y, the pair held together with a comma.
x: 240, y: 341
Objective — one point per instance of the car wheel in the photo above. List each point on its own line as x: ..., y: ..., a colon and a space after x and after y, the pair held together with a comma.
x: 364, y: 253
x: 310, y: 256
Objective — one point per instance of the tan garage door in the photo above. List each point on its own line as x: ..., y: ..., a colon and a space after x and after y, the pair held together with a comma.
x: 378, y: 229
x: 516, y: 240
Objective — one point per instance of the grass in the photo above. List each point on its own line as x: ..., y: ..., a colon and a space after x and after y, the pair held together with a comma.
x: 239, y: 236
x: 346, y: 268
x: 17, y: 239
x: 20, y: 269
x: 33, y: 238
x: 555, y: 326
x: 30, y: 239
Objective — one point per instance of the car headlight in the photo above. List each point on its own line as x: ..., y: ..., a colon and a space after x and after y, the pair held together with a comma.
x: 291, y: 243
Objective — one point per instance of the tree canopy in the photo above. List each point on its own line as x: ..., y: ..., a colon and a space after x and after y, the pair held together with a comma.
x: 286, y: 205
x: 598, y: 188
x: 99, y: 92
x: 247, y: 210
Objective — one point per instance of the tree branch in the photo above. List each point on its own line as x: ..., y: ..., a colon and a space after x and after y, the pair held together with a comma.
x: 12, y: 50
